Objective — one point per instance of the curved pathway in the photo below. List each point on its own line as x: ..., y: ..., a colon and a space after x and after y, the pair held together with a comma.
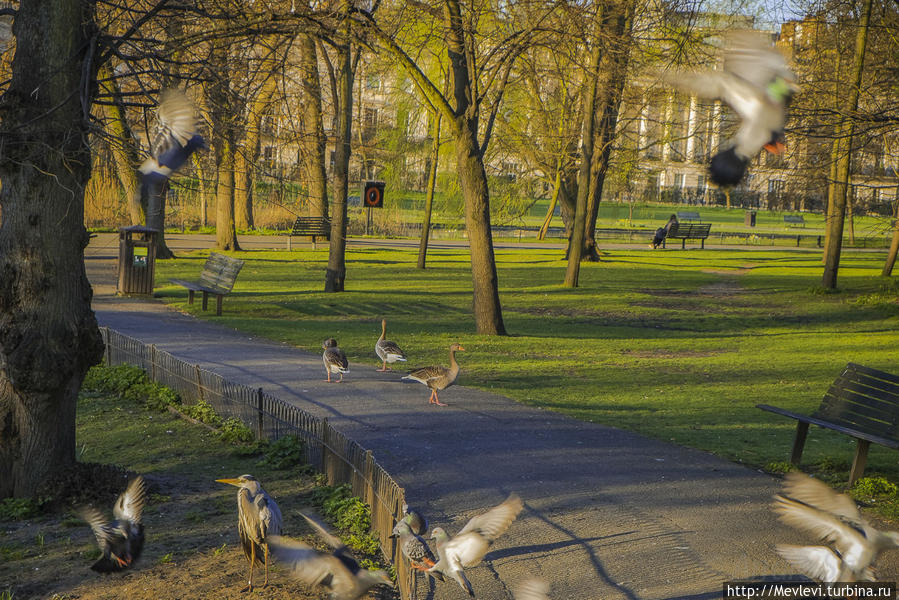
x: 608, y: 514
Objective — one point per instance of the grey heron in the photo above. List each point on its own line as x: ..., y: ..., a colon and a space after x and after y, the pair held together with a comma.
x: 258, y: 517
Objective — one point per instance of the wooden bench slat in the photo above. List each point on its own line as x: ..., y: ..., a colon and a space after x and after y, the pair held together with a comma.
x: 217, y: 277
x: 863, y: 403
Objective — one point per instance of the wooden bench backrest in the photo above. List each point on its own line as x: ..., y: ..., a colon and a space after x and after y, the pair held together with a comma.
x: 865, y: 399
x: 311, y: 226
x: 794, y: 219
x: 689, y: 230
x: 220, y: 271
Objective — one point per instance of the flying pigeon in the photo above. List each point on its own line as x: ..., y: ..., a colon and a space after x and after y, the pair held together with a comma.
x: 853, y: 545
x: 418, y: 523
x: 413, y: 547
x: 337, y: 572
x: 468, y: 547
x: 757, y: 84
x: 176, y: 137
x: 121, y: 541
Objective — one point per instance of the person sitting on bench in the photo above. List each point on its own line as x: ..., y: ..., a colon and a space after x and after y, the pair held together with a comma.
x: 662, y: 232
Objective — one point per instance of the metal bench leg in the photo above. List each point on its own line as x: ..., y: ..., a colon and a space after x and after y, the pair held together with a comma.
x: 190, y: 296
x: 218, y: 305
x: 858, y: 463
x: 799, y: 442
x: 683, y: 244
x: 702, y: 247
x: 205, y: 299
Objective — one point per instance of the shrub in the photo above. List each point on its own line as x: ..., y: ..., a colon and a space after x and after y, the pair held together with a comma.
x: 873, y: 488
x: 17, y: 509
x: 285, y: 453
x: 202, y: 411
x: 349, y: 514
x: 235, y: 432
x: 114, y: 380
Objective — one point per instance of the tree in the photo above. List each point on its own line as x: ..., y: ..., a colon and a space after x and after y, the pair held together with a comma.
x: 48, y: 333
x: 843, y: 153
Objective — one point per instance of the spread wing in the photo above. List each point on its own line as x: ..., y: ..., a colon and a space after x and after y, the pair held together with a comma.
x: 495, y: 521
x: 308, y: 564
x: 820, y: 495
x: 818, y: 562
x: 130, y: 504
x: 825, y: 526
x: 176, y: 122
x: 102, y: 530
x: 466, y: 548
x: 532, y: 589
x: 323, y: 532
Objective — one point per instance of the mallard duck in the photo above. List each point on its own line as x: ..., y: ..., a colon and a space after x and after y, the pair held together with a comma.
x: 121, y: 541
x: 258, y: 518
x: 386, y: 350
x: 437, y: 377
x: 757, y: 84
x: 468, y: 547
x: 334, y: 359
x: 853, y: 544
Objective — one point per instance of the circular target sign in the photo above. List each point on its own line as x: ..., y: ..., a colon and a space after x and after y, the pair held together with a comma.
x: 373, y: 195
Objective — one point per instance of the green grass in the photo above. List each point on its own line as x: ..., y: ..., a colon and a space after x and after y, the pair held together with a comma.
x: 675, y: 345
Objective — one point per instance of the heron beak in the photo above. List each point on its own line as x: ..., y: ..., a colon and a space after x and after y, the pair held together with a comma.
x: 235, y: 482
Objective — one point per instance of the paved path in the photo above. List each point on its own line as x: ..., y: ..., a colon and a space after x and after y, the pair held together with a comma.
x: 609, y: 514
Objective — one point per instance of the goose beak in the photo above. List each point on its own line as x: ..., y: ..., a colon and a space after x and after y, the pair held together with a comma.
x: 235, y: 482
x: 461, y: 348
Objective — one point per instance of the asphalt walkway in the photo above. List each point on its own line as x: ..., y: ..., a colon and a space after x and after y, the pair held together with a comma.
x: 608, y: 514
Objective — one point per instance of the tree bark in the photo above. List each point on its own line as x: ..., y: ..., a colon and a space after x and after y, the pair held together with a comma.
x: 431, y: 185
x: 576, y: 241
x: 894, y: 244
x: 844, y: 136
x: 48, y: 333
x: 314, y: 134
x: 225, y: 230
x: 335, y: 276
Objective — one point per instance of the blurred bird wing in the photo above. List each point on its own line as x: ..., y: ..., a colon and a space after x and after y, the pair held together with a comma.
x: 130, y: 504
x: 466, y: 549
x: 813, y: 492
x: 849, y: 541
x: 308, y: 564
x: 532, y: 589
x: 426, y: 374
x: 102, y: 530
x: 751, y: 57
x: 818, y: 562
x: 176, y: 121
x: 742, y: 96
x: 495, y: 521
x: 323, y: 532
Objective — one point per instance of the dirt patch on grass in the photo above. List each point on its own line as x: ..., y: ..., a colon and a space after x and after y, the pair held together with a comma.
x: 192, y: 549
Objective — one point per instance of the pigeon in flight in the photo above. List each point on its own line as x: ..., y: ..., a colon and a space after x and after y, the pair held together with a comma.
x: 122, y: 540
x: 852, y: 544
x: 757, y: 84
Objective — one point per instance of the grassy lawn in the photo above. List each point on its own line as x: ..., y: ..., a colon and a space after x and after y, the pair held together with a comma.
x: 675, y: 345
x: 192, y: 549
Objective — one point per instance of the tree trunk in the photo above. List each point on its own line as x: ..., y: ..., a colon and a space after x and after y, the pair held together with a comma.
x: 579, y: 227
x: 335, y: 276
x: 314, y: 134
x: 894, y: 244
x: 615, y: 63
x: 48, y: 333
x: 122, y: 146
x: 225, y: 231
x: 432, y: 183
x: 844, y: 137
x: 554, y: 199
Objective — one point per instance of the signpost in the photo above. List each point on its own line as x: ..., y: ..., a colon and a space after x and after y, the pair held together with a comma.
x: 372, y: 197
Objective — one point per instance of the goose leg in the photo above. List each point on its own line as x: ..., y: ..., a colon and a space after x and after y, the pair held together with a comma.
x: 328, y: 371
x: 384, y: 367
x: 437, y: 400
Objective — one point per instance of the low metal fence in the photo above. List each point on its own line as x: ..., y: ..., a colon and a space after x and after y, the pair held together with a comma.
x: 329, y: 451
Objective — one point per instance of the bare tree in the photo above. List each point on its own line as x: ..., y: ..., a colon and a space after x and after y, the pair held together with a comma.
x: 48, y: 333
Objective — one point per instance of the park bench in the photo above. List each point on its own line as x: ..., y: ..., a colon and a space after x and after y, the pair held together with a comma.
x: 217, y: 278
x: 688, y: 215
x: 689, y: 231
x: 312, y: 227
x: 794, y: 221
x: 862, y: 403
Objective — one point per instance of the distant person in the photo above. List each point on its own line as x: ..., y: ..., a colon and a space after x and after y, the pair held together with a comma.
x: 662, y: 232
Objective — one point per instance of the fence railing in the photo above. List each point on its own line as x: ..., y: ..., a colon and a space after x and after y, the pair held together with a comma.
x: 329, y: 451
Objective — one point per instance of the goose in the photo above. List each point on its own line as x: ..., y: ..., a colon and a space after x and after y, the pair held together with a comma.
x: 122, y: 540
x: 853, y: 545
x: 258, y: 518
x: 334, y: 359
x: 437, y: 377
x: 468, y: 547
x: 757, y: 84
x: 337, y: 571
x: 386, y: 350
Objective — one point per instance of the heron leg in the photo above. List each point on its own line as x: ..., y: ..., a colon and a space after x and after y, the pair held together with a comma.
x: 265, y: 583
x: 249, y: 587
